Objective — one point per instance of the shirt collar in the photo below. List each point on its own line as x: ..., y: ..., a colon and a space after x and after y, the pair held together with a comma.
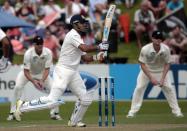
x: 152, y: 50
x: 36, y: 55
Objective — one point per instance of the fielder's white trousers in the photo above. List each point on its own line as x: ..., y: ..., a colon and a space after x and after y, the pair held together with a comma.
x: 168, y: 90
x: 21, y: 81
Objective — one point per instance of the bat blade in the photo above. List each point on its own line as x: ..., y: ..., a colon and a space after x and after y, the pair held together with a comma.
x: 108, y: 22
x: 107, y: 25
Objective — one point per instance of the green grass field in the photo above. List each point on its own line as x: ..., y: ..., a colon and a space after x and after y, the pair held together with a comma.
x: 155, y: 113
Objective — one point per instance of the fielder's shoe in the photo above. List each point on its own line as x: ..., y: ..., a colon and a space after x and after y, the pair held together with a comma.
x: 10, y: 117
x: 17, y: 113
x: 79, y: 124
x: 179, y: 115
x: 130, y: 115
x: 56, y: 116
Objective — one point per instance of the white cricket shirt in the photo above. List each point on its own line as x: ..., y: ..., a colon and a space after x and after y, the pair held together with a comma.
x: 70, y: 54
x: 2, y: 34
x: 155, y: 61
x: 36, y: 64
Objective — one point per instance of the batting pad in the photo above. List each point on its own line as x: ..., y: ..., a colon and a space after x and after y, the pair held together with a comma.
x: 38, y: 105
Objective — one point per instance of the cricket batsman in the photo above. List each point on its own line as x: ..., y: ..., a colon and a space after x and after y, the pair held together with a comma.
x: 66, y: 72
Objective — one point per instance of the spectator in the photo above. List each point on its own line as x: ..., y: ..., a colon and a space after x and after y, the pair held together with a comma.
x: 96, y: 9
x: 129, y: 3
x: 62, y: 31
x: 18, y: 5
x: 158, y: 7
x: 173, y: 5
x: 75, y: 7
x: 39, y: 9
x: 51, y: 7
x: 8, y: 8
x: 52, y: 43
x: 144, y: 22
x: 177, y: 43
x: 26, y: 13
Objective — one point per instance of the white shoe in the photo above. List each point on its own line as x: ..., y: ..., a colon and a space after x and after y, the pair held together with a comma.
x: 79, y: 124
x: 179, y: 115
x: 17, y: 113
x: 130, y: 115
x: 56, y: 116
x: 10, y: 117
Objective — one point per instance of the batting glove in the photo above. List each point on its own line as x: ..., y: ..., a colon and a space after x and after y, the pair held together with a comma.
x: 4, y: 64
x: 103, y: 46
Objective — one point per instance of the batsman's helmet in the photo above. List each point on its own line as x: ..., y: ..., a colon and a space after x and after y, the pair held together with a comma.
x: 38, y: 40
x: 77, y: 18
x: 157, y: 35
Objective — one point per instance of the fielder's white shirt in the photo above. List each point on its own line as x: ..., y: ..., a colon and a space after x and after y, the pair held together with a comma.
x: 35, y: 63
x: 155, y: 61
x: 2, y: 34
x: 70, y: 54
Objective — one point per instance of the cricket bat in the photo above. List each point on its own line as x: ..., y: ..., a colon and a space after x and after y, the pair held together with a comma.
x: 107, y: 24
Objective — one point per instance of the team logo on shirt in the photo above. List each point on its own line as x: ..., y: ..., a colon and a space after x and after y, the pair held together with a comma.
x: 151, y: 56
x: 42, y: 58
x: 34, y: 58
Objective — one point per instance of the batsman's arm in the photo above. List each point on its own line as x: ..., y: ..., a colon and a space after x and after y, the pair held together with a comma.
x: 99, y: 57
x: 88, y: 48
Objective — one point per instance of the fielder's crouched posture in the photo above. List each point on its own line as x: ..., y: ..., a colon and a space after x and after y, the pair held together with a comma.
x: 36, y: 65
x: 155, y: 63
x: 66, y: 74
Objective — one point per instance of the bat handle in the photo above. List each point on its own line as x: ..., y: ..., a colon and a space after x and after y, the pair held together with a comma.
x: 106, y: 54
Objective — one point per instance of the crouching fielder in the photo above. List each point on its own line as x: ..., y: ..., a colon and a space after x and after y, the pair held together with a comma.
x: 155, y: 63
x: 66, y: 74
x: 37, y: 62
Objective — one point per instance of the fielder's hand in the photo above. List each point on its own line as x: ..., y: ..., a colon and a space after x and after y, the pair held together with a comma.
x: 38, y: 84
x: 103, y: 46
x: 4, y: 64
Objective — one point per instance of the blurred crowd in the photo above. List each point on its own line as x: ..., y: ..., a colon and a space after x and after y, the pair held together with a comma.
x: 52, y: 22
x: 148, y: 17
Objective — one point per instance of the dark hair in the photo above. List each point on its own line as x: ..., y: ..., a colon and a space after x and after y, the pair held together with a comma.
x: 38, y: 40
x: 157, y: 35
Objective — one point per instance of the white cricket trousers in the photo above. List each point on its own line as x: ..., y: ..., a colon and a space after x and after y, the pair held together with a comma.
x: 21, y: 81
x: 168, y: 90
x: 64, y: 77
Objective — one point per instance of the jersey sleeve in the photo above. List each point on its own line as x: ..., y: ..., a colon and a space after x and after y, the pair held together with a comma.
x: 2, y: 34
x: 77, y: 40
x: 26, y: 61
x: 49, y: 61
x: 168, y: 56
x: 142, y: 56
